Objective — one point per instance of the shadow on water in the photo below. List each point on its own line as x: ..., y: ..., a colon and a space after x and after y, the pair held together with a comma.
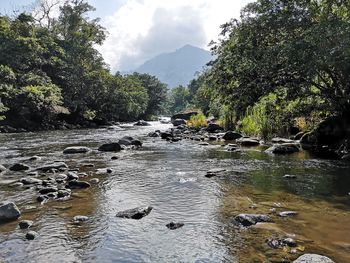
x: 170, y: 177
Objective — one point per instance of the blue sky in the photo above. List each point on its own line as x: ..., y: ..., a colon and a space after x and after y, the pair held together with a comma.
x: 141, y: 29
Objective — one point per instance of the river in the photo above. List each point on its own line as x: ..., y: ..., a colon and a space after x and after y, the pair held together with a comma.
x: 171, y: 178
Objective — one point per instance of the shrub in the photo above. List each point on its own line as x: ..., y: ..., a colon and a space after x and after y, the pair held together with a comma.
x: 197, y: 121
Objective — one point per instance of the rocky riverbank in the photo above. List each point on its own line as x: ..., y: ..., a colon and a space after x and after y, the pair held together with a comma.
x: 74, y: 171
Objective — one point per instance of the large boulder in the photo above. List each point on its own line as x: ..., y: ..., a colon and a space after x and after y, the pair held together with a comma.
x: 246, y: 220
x: 110, y: 147
x: 213, y: 127
x: 76, y: 149
x: 184, y: 115
x: 9, y: 211
x: 230, y: 136
x: 178, y: 122
x: 126, y: 141
x: 285, y: 148
x: 135, y: 213
x: 313, y: 258
x: 248, y: 141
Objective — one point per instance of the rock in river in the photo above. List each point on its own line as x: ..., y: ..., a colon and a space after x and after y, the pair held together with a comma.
x: 135, y: 213
x: 248, y: 141
x: 2, y: 168
x: 110, y: 147
x: 76, y: 149
x: 30, y: 180
x: 80, y: 218
x: 19, y: 167
x: 173, y: 225
x: 55, y: 165
x: 25, y: 224
x: 287, y: 213
x: 313, y: 258
x: 251, y: 219
x: 9, y: 211
x: 62, y: 193
x: 142, y: 123
x: 31, y: 235
x: 78, y: 184
x: 230, y: 135
x: 47, y: 190
x: 289, y: 176
x: 285, y: 148
x: 178, y: 122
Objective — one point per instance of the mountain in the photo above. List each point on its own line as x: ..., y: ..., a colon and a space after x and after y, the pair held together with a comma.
x: 177, y: 68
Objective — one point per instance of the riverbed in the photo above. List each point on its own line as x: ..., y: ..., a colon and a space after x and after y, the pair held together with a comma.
x: 170, y: 177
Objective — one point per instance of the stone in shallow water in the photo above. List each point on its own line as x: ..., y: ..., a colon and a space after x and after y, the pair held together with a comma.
x: 287, y: 213
x: 30, y: 180
x: 35, y: 158
x: 56, y: 165
x: 110, y: 147
x: 63, y: 193
x: 230, y: 135
x: 173, y: 225
x: 2, y: 168
x: 248, y: 141
x: 94, y: 180
x: 47, y: 190
x: 9, y: 211
x: 313, y: 258
x: 290, y: 176
x: 76, y: 149
x: 25, y: 224
x: 19, y: 167
x: 135, y: 213
x: 286, y: 148
x: 78, y: 184
x: 31, y: 235
x: 214, y: 172
x: 80, y: 218
x: 251, y: 219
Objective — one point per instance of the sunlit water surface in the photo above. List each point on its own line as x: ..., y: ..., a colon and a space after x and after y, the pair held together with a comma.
x: 170, y: 177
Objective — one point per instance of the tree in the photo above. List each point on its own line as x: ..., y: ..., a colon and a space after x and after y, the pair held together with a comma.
x: 300, y: 46
x: 157, y: 93
x: 179, y: 99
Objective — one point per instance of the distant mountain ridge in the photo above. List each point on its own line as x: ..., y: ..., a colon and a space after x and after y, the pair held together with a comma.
x: 178, y: 67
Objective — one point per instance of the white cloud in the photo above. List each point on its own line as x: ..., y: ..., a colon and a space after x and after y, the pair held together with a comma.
x: 141, y: 29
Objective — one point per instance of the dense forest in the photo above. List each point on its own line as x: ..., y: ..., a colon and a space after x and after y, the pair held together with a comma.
x: 51, y: 74
x: 283, y: 64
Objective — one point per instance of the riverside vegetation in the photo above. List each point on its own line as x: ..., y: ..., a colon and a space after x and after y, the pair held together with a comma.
x: 52, y: 76
x: 229, y: 181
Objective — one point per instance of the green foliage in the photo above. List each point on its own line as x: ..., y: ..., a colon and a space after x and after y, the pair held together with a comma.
x: 281, y: 61
x: 157, y: 94
x: 54, y: 62
x: 197, y: 121
x: 179, y: 99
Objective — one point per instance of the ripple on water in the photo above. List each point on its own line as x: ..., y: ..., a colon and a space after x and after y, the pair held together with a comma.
x: 169, y: 177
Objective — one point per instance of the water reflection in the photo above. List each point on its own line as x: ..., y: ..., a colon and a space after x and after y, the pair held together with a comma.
x: 170, y: 177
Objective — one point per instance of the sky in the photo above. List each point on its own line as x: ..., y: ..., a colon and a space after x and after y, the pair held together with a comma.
x: 138, y: 30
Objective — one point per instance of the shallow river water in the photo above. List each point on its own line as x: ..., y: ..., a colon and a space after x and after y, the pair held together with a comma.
x: 171, y: 178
